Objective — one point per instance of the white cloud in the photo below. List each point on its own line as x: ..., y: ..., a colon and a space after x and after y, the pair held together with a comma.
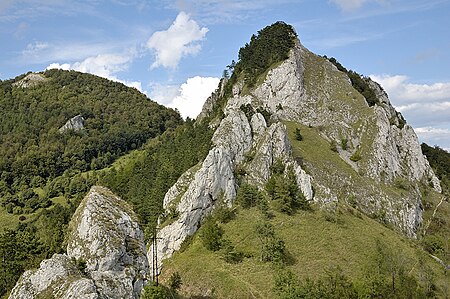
x: 164, y: 94
x: 187, y: 98
x: 64, y: 66
x: 104, y: 65
x: 44, y: 52
x: 35, y: 48
x: 425, y: 106
x: 435, y: 136
x: 404, y: 92
x: 177, y: 41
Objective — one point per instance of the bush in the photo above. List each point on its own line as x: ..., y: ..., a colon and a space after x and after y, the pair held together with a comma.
x: 230, y: 254
x: 344, y: 144
x: 223, y: 214
x: 333, y: 146
x: 152, y: 291
x: 356, y: 156
x: 283, y: 191
x: 248, y: 196
x: 433, y: 244
x: 298, y: 135
x: 211, y: 235
x: 175, y: 281
x: 273, y: 249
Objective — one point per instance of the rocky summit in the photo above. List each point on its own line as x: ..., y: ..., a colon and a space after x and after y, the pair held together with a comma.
x: 105, y: 255
x: 310, y: 91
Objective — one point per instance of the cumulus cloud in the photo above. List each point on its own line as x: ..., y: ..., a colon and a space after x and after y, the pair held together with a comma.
x: 177, y: 41
x: 435, y: 136
x: 104, y: 65
x: 187, y: 98
x: 425, y: 106
x: 399, y: 88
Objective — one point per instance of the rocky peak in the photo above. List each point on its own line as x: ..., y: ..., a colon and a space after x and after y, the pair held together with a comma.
x: 308, y: 90
x: 106, y: 255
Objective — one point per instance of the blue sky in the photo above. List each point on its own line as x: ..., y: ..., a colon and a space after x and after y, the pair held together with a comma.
x: 175, y: 51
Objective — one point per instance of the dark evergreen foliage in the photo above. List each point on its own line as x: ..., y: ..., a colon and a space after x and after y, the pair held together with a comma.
x: 146, y: 182
x: 211, y: 235
x: 273, y: 248
x: 440, y: 162
x: 269, y: 46
x: 283, y: 190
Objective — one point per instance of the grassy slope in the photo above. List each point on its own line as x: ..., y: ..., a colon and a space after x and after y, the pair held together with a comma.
x: 316, y: 240
x: 315, y: 243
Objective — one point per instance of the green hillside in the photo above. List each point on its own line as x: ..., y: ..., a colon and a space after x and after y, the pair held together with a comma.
x: 325, y: 250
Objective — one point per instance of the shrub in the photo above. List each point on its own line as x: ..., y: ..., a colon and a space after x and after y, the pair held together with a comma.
x: 175, y: 281
x: 248, y: 196
x: 230, y: 254
x: 298, y: 135
x: 344, y: 144
x: 333, y: 146
x: 224, y: 214
x: 356, y: 156
x: 283, y: 191
x: 211, y: 235
x: 153, y: 291
x: 273, y: 249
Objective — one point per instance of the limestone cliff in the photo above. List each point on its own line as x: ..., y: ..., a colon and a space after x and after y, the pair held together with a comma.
x: 76, y: 123
x: 106, y: 256
x: 30, y: 80
x: 308, y: 90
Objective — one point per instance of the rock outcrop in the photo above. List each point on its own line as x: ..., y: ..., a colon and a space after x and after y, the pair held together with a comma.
x: 251, y: 134
x: 30, y: 80
x: 76, y: 123
x: 106, y: 255
x: 237, y: 137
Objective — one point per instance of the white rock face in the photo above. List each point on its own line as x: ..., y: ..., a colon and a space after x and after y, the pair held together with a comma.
x: 212, y: 182
x: 30, y: 80
x: 105, y: 235
x: 58, y: 277
x: 76, y: 123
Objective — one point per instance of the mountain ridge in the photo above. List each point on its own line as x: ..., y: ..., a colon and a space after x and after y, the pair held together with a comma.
x: 295, y: 147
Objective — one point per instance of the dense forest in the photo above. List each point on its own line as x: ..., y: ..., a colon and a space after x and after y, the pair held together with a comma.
x: 34, y: 152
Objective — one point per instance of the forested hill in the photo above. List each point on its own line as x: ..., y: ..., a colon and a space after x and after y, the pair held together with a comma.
x: 47, y: 166
x: 34, y: 152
